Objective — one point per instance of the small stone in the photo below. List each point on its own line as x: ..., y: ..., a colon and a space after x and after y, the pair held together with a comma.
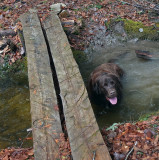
x: 57, y: 7
x: 3, y: 44
x: 141, y: 30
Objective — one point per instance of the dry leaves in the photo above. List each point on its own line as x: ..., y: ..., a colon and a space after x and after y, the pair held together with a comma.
x: 64, y: 147
x: 95, y: 12
x: 27, y: 153
x: 145, y: 134
x: 17, y: 154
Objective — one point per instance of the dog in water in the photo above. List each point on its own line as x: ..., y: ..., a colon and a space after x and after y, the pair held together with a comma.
x: 105, y: 85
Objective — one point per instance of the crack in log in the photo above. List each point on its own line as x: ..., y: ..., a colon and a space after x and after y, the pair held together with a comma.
x: 56, y: 83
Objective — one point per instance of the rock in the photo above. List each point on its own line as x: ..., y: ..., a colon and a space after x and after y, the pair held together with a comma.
x: 118, y: 156
x: 119, y: 28
x: 6, y: 44
x: 57, y: 7
x: 22, y: 52
x: 3, y: 44
x: 134, y: 40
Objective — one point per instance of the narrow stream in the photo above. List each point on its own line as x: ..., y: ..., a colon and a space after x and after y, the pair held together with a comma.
x: 140, y: 83
x: 140, y: 91
x: 14, y: 111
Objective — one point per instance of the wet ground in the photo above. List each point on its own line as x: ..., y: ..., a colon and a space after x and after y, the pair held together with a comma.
x: 140, y: 83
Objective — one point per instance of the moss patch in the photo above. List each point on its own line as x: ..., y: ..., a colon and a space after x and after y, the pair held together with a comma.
x: 18, y: 66
x: 137, y: 29
x: 79, y: 56
x: 15, y: 73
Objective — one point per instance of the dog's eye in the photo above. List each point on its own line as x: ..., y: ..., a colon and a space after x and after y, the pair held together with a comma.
x: 106, y: 84
x: 112, y: 82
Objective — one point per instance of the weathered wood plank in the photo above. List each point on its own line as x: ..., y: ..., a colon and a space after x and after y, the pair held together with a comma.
x: 45, y: 118
x: 82, y: 128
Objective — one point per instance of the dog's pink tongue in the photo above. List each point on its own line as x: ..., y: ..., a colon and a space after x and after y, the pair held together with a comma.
x: 113, y: 100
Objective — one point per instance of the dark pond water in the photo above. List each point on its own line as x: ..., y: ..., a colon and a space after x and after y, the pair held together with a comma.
x: 140, y: 83
x: 14, y: 110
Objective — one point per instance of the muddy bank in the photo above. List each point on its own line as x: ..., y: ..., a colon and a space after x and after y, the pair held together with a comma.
x: 137, y: 140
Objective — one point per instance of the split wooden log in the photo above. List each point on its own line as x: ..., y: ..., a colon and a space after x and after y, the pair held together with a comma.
x: 84, y: 135
x: 45, y: 116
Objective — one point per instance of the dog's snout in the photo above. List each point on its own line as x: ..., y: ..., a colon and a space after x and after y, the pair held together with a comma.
x: 112, y: 93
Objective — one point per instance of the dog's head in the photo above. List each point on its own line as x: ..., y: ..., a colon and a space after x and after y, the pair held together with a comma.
x: 109, y: 86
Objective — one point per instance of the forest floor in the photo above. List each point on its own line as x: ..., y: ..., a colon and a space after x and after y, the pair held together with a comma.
x: 133, y: 141
x: 138, y: 140
x: 85, y: 14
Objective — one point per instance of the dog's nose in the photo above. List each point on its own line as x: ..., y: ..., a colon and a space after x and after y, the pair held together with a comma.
x: 112, y: 93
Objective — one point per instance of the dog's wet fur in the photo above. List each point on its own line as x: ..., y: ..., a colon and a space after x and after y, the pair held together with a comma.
x: 105, y: 86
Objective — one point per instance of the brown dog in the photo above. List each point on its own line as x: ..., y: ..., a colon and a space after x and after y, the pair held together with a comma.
x: 104, y: 84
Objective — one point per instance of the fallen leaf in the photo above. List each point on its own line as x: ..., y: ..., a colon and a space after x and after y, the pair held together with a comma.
x: 34, y: 92
x: 29, y: 138
x: 30, y: 152
x: 56, y: 107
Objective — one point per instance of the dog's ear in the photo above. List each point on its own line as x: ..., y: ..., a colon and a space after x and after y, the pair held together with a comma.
x: 118, y: 83
x: 120, y: 72
x: 96, y: 88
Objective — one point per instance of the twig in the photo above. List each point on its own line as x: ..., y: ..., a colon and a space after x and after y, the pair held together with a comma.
x: 25, y: 138
x: 130, y: 151
x: 94, y: 155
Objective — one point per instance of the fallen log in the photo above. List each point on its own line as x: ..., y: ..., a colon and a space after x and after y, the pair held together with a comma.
x: 146, y: 55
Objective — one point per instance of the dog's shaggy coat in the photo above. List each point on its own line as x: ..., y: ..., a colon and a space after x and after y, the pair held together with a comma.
x: 105, y: 85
